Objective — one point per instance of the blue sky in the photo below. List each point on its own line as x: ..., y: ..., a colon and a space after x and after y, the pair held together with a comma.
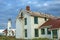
x: 11, y: 8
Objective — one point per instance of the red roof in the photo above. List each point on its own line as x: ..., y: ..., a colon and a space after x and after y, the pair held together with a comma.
x: 5, y: 31
x: 55, y: 23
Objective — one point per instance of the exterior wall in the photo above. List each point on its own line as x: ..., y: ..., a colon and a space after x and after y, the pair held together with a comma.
x: 40, y: 22
x: 44, y: 35
x: 36, y: 26
x: 30, y: 27
x: 59, y: 33
x: 51, y: 35
x: 19, y: 29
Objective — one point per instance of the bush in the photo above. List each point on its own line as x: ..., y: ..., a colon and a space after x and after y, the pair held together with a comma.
x: 40, y: 39
x: 7, y: 38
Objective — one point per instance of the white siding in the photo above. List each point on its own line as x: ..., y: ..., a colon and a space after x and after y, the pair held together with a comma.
x: 36, y: 26
x: 40, y: 22
x: 45, y: 35
x: 59, y: 33
x: 30, y: 27
x: 51, y: 35
x: 19, y: 29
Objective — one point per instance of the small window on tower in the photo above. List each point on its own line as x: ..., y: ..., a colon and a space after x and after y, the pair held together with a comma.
x: 9, y: 31
x: 9, y: 27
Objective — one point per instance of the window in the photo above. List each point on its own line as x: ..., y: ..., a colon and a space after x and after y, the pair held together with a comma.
x: 9, y: 35
x: 9, y: 27
x: 25, y: 21
x: 25, y: 32
x: 55, y: 33
x: 21, y: 13
x: 42, y: 31
x: 45, y: 19
x: 48, y: 32
x: 36, y: 20
x: 36, y: 33
x: 9, y: 31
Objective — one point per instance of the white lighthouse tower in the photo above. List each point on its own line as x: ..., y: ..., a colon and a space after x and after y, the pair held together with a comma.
x: 9, y: 28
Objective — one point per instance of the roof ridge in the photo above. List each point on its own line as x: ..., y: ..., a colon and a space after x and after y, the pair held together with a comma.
x: 44, y: 14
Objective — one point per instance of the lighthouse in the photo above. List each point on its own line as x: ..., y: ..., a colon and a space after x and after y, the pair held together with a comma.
x: 9, y: 28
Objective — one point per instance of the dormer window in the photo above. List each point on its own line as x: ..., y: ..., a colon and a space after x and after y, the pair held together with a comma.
x: 22, y: 14
x: 45, y: 19
x: 9, y: 27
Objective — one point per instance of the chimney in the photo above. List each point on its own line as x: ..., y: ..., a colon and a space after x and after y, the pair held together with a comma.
x: 28, y: 8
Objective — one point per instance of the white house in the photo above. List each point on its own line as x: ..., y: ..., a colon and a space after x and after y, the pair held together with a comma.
x: 28, y: 23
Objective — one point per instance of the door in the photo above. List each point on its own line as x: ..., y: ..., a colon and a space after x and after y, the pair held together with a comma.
x: 55, y: 35
x: 36, y: 33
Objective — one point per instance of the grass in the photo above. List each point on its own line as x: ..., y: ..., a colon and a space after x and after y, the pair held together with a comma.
x: 40, y: 39
x: 13, y: 38
x: 6, y: 38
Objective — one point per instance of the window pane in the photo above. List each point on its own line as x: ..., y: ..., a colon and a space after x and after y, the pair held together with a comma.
x: 42, y: 31
x: 25, y: 21
x: 21, y: 13
x: 36, y: 20
x: 36, y: 33
x: 25, y: 32
x: 55, y: 35
x: 9, y: 27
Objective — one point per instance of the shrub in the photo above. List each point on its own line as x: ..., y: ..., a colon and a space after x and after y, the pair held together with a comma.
x: 40, y: 39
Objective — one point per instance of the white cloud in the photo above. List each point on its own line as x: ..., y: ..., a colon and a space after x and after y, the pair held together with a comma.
x: 35, y: 2
x: 32, y: 2
x: 53, y: 2
x: 45, y: 4
x: 9, y: 5
x: 6, y: 7
x: 29, y: 2
x: 38, y: 5
x: 1, y: 30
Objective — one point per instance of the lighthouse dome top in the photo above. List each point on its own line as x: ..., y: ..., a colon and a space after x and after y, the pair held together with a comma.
x: 9, y: 19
